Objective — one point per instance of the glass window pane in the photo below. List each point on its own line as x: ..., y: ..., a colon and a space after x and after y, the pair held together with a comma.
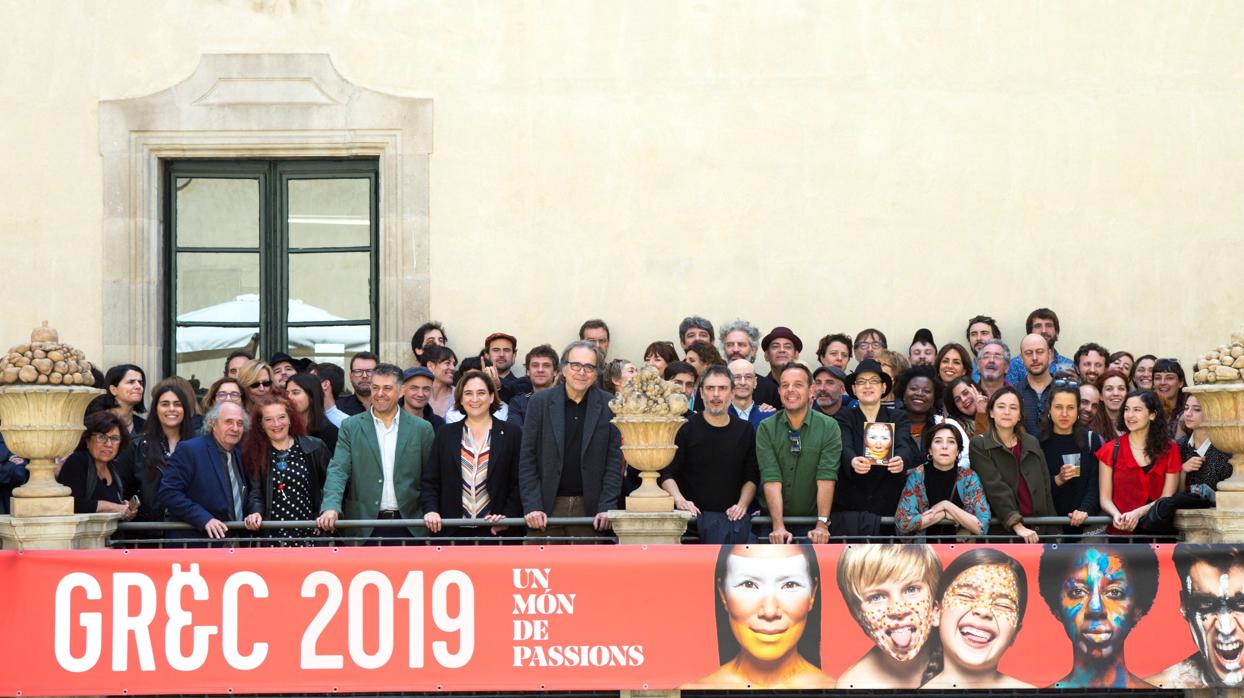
x: 201, y: 351
x: 329, y: 213
x: 218, y: 287
x: 329, y: 286
x: 217, y: 212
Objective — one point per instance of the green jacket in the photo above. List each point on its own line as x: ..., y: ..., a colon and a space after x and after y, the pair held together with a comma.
x: 820, y: 450
x: 356, y: 467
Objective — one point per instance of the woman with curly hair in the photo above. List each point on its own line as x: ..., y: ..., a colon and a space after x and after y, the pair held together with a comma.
x: 1139, y: 468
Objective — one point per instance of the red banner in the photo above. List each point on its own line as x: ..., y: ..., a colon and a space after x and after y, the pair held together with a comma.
x: 533, y: 618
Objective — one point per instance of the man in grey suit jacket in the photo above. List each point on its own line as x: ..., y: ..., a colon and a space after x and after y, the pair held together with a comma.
x: 571, y: 459
x: 380, y: 455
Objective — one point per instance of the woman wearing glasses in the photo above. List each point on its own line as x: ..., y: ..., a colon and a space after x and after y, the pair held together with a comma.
x: 864, y: 484
x: 225, y: 389
x: 285, y: 469
x: 91, y: 472
x: 256, y: 381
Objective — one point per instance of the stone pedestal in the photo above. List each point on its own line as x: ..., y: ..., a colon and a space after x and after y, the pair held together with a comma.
x: 649, y: 527
x: 1215, y: 693
x: 1210, y: 525
x: 73, y: 532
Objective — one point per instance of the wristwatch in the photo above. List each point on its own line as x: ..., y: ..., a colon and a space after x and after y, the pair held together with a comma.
x: 824, y: 520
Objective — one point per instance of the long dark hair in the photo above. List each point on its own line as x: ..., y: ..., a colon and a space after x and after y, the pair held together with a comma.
x: 310, y: 385
x: 153, y: 431
x: 1047, y: 422
x: 1156, y: 440
x: 809, y: 644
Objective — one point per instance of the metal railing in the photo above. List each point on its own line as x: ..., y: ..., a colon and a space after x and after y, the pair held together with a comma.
x: 472, y: 532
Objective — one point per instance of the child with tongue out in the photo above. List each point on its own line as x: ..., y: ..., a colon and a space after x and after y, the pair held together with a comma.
x: 889, y: 590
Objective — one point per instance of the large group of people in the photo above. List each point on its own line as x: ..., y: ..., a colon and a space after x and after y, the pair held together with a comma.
x: 949, y: 441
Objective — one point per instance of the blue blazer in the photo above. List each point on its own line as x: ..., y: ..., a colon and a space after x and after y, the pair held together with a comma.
x: 194, y: 488
x: 755, y: 417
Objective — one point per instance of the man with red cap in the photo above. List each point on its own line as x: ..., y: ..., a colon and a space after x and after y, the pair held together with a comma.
x: 781, y: 347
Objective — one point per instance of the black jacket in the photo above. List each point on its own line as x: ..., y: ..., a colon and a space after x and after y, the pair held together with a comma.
x: 259, y: 499
x: 441, y: 491
x: 542, y: 453
x: 877, y: 492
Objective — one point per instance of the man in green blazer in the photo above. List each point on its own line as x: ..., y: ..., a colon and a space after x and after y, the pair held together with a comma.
x: 379, y: 460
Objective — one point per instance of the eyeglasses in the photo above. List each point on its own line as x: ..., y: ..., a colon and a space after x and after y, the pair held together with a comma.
x: 261, y: 384
x: 228, y: 395
x: 1065, y: 383
x: 744, y: 379
x: 796, y: 444
x: 577, y: 367
x: 868, y: 382
x: 360, y: 371
x: 106, y: 439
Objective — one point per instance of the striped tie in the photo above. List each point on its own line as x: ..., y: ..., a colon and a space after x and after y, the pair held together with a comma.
x: 234, y: 486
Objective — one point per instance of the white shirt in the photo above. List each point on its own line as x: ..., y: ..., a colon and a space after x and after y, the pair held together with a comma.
x: 746, y: 414
x: 387, y: 438
x: 335, y: 415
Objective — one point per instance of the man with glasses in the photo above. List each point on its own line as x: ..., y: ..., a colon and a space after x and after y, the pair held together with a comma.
x: 713, y: 474
x: 570, y: 464
x: 741, y: 403
x: 869, y: 343
x: 204, y: 484
x: 361, y: 367
x: 798, y: 451
x: 379, y: 460
x: 991, y: 365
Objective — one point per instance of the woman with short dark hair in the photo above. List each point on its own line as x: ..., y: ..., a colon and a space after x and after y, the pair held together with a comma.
x: 224, y: 389
x: 660, y: 355
x: 91, y: 473
x: 942, y: 496
x: 126, y: 384
x: 617, y: 374
x: 701, y: 355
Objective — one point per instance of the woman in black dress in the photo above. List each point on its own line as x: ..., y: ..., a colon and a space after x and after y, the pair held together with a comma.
x: 142, y: 464
x: 285, y: 469
x: 1204, y: 466
x: 91, y: 472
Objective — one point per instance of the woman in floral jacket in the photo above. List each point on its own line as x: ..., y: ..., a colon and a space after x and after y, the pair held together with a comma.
x: 941, y: 498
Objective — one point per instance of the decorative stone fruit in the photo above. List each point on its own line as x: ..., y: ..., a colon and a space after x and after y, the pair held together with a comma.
x: 45, y: 360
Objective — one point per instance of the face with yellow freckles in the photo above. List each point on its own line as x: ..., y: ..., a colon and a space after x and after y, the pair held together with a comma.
x: 898, y: 615
x: 980, y: 616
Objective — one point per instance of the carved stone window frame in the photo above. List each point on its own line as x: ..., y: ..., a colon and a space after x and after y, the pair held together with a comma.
x: 258, y: 106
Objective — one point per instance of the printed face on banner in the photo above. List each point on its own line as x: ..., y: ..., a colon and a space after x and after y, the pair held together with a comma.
x: 768, y: 593
x: 980, y: 616
x: 1098, y: 608
x: 1215, y: 612
x: 898, y: 616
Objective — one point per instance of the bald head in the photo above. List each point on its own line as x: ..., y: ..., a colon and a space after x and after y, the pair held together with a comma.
x: 744, y: 378
x: 1035, y: 350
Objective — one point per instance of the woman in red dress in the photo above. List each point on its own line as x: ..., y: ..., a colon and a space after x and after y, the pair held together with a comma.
x: 1140, y: 469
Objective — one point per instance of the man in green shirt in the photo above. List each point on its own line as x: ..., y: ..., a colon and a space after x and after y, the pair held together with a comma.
x: 798, y: 451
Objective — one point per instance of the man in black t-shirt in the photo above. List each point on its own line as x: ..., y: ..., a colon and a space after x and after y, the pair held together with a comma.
x: 714, y: 472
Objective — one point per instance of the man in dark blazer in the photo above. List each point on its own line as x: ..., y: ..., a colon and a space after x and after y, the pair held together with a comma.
x: 571, y: 458
x: 204, y: 484
x: 380, y: 455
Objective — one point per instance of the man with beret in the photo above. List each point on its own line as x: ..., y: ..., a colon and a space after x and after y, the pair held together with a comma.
x: 781, y: 347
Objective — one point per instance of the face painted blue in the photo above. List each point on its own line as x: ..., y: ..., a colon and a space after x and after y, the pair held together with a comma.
x: 1097, y: 604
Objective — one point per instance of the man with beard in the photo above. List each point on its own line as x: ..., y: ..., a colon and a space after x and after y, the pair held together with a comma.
x: 500, y: 349
x: 1211, y: 598
x: 829, y: 390
x: 1044, y: 322
x: 361, y: 366
x: 981, y: 329
x: 1090, y: 360
x: 992, y: 360
x: 1034, y: 390
x: 1090, y: 402
x: 781, y: 347
x: 739, y: 340
x: 713, y: 475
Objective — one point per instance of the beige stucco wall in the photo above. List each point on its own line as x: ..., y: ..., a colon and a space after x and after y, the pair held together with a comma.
x: 823, y: 165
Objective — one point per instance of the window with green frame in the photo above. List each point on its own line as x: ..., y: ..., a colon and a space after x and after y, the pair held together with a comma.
x: 268, y: 256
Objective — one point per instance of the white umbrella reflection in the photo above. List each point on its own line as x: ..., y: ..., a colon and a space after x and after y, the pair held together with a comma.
x: 245, y: 308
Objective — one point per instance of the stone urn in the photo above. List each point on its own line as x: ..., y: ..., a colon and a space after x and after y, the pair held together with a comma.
x: 648, y: 444
x: 649, y: 413
x: 41, y: 417
x: 1223, y: 407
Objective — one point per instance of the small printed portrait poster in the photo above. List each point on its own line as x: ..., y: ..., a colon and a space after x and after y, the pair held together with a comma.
x: 879, y: 441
